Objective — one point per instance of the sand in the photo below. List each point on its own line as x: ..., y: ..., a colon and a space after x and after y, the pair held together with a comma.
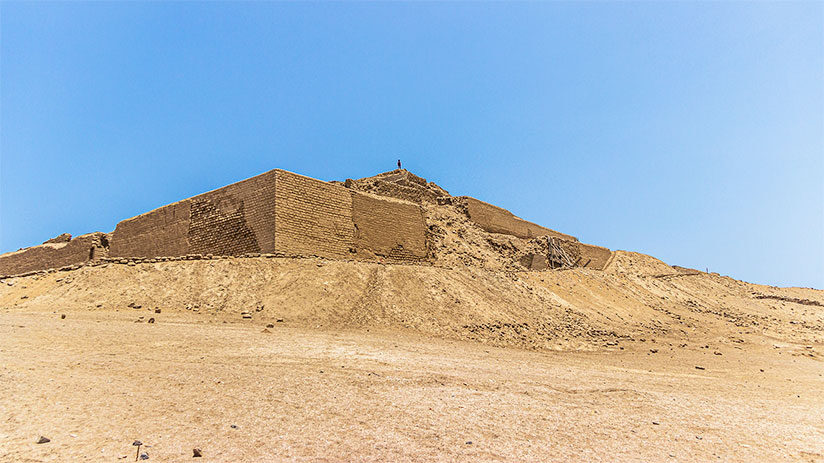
x: 378, y: 362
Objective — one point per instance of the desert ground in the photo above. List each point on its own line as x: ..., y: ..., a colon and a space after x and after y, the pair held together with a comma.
x: 346, y: 361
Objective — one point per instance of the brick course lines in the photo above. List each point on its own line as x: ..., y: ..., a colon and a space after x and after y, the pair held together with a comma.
x: 495, y: 219
x: 232, y: 220
x: 161, y: 232
x: 313, y: 217
x: 389, y: 228
x: 54, y: 255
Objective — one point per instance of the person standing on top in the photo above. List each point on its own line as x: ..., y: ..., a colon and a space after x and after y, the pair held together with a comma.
x: 399, y: 163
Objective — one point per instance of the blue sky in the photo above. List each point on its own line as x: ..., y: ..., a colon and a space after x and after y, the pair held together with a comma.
x: 693, y: 132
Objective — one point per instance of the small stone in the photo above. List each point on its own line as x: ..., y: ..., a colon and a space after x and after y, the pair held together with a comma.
x: 43, y: 440
x: 469, y: 442
x: 144, y: 456
x: 151, y: 320
x: 699, y: 368
x: 246, y: 315
x: 266, y: 330
x: 656, y: 423
x: 196, y: 453
x: 157, y: 310
x: 270, y: 325
x: 63, y: 316
x: 137, y: 443
x: 654, y: 351
x: 279, y: 320
x: 233, y: 426
x: 717, y: 353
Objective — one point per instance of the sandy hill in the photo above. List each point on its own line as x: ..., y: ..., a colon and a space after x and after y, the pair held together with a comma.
x: 479, y: 337
x: 474, y: 288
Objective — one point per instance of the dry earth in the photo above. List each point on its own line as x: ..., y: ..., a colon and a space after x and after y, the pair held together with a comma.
x: 379, y: 362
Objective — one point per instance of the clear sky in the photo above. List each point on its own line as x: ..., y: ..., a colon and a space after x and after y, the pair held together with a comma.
x: 693, y: 132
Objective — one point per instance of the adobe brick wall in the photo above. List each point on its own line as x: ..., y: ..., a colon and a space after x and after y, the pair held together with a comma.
x: 313, y: 217
x: 495, y: 219
x: 594, y: 256
x: 278, y: 211
x: 54, y: 255
x: 236, y: 219
x: 161, y: 232
x: 388, y: 228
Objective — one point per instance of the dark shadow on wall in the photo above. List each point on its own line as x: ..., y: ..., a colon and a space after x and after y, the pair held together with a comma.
x: 220, y: 228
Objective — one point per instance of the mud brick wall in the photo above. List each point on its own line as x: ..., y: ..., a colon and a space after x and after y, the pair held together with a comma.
x: 236, y: 219
x: 593, y: 256
x: 388, y: 228
x: 161, y: 232
x: 313, y: 217
x: 54, y: 255
x: 498, y: 220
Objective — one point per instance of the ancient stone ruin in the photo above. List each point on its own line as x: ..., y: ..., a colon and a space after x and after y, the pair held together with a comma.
x: 379, y: 218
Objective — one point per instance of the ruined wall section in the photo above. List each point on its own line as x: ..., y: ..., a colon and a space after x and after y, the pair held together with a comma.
x: 388, y: 228
x: 313, y: 217
x: 232, y: 220
x: 400, y: 184
x: 54, y: 255
x: 595, y: 257
x: 494, y: 219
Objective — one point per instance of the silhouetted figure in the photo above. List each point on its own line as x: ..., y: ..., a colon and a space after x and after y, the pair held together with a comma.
x: 399, y: 163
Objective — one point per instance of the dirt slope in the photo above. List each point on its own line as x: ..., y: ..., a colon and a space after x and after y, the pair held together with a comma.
x: 637, y: 297
x: 354, y: 361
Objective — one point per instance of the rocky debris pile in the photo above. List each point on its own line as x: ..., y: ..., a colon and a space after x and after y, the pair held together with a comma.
x: 546, y: 252
x: 62, y: 238
x: 789, y: 299
x: 456, y: 240
x: 400, y: 184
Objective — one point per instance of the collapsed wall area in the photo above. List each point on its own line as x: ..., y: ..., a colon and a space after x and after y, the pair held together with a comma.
x: 399, y: 184
x: 595, y: 257
x: 55, y: 254
x: 494, y: 219
x: 377, y: 218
